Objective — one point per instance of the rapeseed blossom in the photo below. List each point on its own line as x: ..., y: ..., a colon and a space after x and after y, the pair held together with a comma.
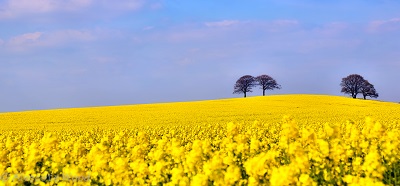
x: 215, y: 145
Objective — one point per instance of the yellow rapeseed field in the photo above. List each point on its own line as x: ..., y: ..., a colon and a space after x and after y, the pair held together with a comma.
x: 271, y: 140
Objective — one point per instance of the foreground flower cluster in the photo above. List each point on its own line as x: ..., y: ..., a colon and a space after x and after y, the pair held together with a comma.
x: 283, y: 153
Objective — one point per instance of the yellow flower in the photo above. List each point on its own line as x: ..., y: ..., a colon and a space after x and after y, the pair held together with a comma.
x: 205, y: 143
x: 323, y: 147
x: 232, y: 175
x: 199, y: 180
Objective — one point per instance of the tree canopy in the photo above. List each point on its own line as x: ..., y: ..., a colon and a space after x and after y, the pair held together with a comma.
x: 368, y: 89
x: 244, y: 84
x: 267, y: 83
x: 355, y: 84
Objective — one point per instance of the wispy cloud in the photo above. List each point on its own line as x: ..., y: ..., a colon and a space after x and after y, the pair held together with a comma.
x: 228, y: 28
x: 275, y: 23
x: 16, y: 8
x: 48, y: 39
x: 223, y: 23
x: 384, y: 25
x: 24, y: 40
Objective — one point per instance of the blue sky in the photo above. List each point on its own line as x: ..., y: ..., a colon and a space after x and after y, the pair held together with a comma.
x: 77, y: 53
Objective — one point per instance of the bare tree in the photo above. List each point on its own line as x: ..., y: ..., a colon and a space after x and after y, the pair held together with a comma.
x: 244, y: 85
x: 352, y: 84
x: 368, y: 89
x: 267, y: 83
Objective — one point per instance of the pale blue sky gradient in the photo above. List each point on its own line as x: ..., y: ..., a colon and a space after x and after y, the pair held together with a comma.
x: 78, y: 53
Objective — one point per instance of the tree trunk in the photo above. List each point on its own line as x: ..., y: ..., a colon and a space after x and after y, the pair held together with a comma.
x: 263, y: 92
x: 365, y: 96
x: 244, y: 94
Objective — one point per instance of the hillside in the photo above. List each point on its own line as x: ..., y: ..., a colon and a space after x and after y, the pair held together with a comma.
x: 215, y: 142
x: 268, y: 109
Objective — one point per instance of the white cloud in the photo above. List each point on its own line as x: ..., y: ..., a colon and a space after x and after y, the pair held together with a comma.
x: 49, y: 39
x: 24, y: 39
x: 15, y: 8
x: 275, y: 25
x: 28, y: 6
x: 229, y: 28
x: 64, y: 37
x: 224, y: 23
x: 384, y: 25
